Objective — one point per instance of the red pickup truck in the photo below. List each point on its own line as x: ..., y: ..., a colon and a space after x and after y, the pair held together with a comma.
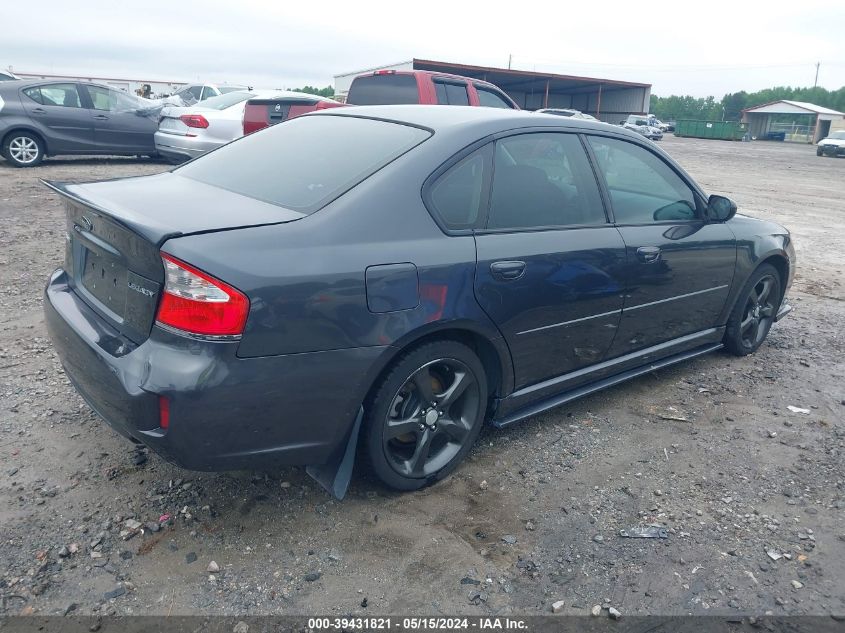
x: 422, y: 86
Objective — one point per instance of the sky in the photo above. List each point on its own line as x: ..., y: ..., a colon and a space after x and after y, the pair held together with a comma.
x: 725, y: 47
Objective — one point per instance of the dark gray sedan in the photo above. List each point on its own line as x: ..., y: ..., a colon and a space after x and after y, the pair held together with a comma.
x: 41, y: 118
x: 390, y: 278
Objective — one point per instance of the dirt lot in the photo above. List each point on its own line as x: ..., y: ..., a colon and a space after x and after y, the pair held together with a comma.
x: 533, y: 517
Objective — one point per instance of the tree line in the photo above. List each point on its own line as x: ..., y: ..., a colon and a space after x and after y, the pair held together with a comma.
x: 731, y: 105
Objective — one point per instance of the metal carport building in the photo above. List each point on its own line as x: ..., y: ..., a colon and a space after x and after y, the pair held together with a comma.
x: 759, y: 119
x: 610, y: 100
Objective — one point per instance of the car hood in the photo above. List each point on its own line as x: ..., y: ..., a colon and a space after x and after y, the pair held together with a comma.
x: 839, y: 142
x: 169, y: 205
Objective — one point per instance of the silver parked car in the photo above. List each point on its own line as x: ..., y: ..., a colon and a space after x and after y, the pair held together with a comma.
x: 190, y: 131
x: 41, y: 118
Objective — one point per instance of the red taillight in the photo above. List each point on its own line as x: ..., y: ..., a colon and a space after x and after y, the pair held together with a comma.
x: 255, y: 118
x: 194, y: 120
x: 196, y: 302
x: 163, y: 412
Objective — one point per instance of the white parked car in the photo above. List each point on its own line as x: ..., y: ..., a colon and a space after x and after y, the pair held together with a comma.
x: 833, y: 145
x: 185, y: 132
x: 194, y: 93
x: 7, y: 75
x: 643, y: 125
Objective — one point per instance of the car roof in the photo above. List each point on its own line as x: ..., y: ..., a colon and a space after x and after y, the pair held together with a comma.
x: 18, y: 84
x: 429, y: 73
x: 440, y: 118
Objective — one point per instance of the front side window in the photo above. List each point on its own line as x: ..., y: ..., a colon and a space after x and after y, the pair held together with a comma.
x: 543, y: 180
x: 451, y: 93
x: 456, y: 195
x: 643, y: 188
x: 113, y: 100
x: 491, y: 99
x: 195, y: 92
x: 63, y: 95
x: 307, y: 162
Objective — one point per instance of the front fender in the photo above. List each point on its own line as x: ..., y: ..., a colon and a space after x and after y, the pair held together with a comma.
x: 758, y: 241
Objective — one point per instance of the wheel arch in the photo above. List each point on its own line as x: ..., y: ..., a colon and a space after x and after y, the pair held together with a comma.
x: 777, y: 258
x: 30, y: 130
x: 490, y: 348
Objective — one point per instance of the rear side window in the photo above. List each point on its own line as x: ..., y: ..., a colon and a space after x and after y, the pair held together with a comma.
x: 62, y: 95
x: 457, y: 195
x: 305, y: 163
x: 383, y: 89
x: 34, y: 94
x: 491, y: 99
x: 543, y: 180
x: 451, y: 93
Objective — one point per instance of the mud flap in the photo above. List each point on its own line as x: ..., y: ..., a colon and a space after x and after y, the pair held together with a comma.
x: 334, y: 476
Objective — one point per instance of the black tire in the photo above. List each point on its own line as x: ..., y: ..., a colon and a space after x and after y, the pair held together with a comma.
x: 754, y: 312
x: 410, y: 444
x: 819, y: 151
x: 23, y: 149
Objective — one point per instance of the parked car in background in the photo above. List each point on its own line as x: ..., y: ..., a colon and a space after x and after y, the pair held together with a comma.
x: 575, y: 114
x: 7, y: 75
x: 261, y: 112
x: 41, y: 118
x: 642, y: 125
x: 193, y: 93
x: 833, y: 145
x: 399, y: 273
x: 385, y: 87
x: 185, y: 132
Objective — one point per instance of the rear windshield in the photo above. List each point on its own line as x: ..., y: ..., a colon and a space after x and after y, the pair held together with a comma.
x: 221, y: 102
x: 383, y: 90
x: 305, y: 163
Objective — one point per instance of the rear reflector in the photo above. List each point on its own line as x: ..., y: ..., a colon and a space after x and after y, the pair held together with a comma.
x: 196, y: 302
x: 163, y: 412
x: 194, y: 120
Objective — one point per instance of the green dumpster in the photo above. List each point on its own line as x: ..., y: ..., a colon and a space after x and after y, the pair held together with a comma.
x: 722, y: 130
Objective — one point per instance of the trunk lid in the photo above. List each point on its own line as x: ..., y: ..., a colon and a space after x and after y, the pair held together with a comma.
x: 115, y: 230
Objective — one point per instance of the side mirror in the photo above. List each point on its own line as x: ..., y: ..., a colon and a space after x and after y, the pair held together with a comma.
x: 720, y: 208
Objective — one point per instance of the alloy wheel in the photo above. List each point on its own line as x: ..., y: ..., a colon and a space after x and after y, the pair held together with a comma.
x: 24, y: 150
x: 759, y: 312
x: 431, y: 417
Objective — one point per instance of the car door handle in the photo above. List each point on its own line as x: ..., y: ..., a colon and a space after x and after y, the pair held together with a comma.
x: 508, y: 270
x: 648, y: 254
x: 101, y: 117
x: 39, y: 111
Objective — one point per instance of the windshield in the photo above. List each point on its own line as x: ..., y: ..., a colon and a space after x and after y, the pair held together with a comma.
x: 305, y: 163
x: 221, y: 102
x: 839, y: 136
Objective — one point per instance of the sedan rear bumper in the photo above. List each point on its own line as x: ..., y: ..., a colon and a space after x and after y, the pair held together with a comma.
x: 183, y: 147
x: 226, y: 412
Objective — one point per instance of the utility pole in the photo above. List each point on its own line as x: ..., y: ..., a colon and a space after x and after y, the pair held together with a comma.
x: 510, y: 58
x: 815, y: 83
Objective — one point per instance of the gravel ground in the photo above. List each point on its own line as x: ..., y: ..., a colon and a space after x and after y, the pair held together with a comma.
x: 707, y: 449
